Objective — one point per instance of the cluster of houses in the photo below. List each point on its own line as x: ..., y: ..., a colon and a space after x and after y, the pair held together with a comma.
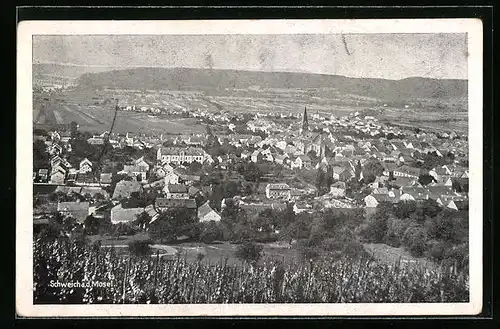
x: 321, y: 146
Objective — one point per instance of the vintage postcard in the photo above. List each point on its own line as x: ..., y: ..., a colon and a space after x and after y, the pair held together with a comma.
x: 249, y: 168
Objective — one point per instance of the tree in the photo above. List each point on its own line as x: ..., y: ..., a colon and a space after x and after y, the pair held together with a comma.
x: 210, y: 232
x: 376, y: 229
x: 415, y: 240
x: 249, y: 252
x: 372, y: 168
x: 430, y: 208
x: 404, y: 209
x: 251, y: 172
x: 143, y: 220
x: 425, y: 179
x: 195, y: 167
x: 123, y: 229
x: 40, y: 155
x: 320, y: 182
x: 139, y: 248
x: 74, y: 129
x: 312, y: 154
x: 444, y: 227
x: 173, y: 223
x: 457, y: 187
x: 91, y: 225
x: 99, y: 197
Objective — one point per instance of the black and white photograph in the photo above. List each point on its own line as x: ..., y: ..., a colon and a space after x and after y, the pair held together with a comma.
x: 302, y: 167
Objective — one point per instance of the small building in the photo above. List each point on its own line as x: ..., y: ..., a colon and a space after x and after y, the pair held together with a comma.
x: 105, y: 179
x: 300, y: 207
x: 176, y: 191
x: 407, y: 171
x: 338, y: 189
x: 302, y: 162
x: 134, y: 171
x: 57, y: 176
x: 171, y: 178
x: 43, y: 175
x: 141, y: 163
x: 278, y: 191
x: 373, y: 200
x: 85, y: 166
x: 207, y: 214
x: 165, y: 203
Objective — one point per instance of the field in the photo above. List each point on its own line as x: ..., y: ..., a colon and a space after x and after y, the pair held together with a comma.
x: 212, y: 253
x: 172, y: 281
x: 97, y: 118
x: 86, y: 107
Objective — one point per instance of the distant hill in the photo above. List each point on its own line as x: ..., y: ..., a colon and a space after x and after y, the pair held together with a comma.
x: 213, y: 79
x: 65, y: 71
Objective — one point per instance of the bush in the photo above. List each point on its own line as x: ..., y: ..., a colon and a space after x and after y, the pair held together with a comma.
x: 458, y: 255
x: 249, y: 252
x: 414, y: 239
x: 395, y: 231
x: 437, y: 251
x: 355, y: 250
x: 123, y: 229
x: 139, y: 248
x: 404, y: 209
x: 210, y: 232
x: 308, y: 254
x: 332, y: 245
x: 375, y: 230
x: 444, y: 227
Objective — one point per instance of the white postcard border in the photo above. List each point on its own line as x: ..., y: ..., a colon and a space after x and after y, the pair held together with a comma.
x: 24, y: 156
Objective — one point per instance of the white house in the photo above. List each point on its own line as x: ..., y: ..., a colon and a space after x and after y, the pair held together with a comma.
x: 171, y: 178
x: 179, y: 155
x: 278, y: 191
x: 85, y: 166
x: 176, y: 191
x: 207, y: 214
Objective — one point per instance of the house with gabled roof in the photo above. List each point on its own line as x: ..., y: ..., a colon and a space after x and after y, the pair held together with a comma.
x: 278, y: 191
x: 176, y: 191
x: 302, y: 162
x: 414, y: 193
x: 407, y: 171
x: 105, y: 179
x: 207, y: 214
x: 134, y: 171
x: 55, y: 149
x: 57, y: 175
x: 373, y: 200
x: 125, y: 188
x: 141, y: 163
x: 338, y: 189
x: 85, y: 166
x: 166, y: 203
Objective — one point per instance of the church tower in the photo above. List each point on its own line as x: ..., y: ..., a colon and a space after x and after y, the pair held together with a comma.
x: 305, y: 123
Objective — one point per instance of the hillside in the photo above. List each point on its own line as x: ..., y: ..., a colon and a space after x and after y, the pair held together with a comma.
x: 208, y: 79
x: 64, y: 71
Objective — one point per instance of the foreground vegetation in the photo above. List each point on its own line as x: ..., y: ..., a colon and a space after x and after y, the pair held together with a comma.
x: 155, y: 280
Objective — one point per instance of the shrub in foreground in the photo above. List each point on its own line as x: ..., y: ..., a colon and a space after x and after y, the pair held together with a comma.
x: 163, y: 281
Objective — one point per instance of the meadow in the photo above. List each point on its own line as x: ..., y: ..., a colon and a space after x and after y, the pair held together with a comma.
x: 151, y: 280
x: 98, y: 118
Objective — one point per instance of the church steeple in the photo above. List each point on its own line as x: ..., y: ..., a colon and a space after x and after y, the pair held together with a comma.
x: 305, y: 123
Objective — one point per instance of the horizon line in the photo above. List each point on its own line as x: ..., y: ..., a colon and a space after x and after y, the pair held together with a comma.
x: 122, y: 67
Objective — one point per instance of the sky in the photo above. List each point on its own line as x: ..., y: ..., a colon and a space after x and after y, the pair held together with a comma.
x: 389, y: 56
